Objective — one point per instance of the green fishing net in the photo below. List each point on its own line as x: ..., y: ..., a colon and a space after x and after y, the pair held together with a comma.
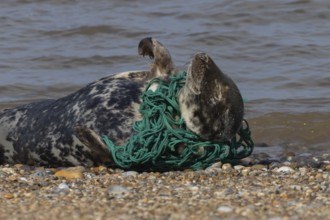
x: 161, y: 142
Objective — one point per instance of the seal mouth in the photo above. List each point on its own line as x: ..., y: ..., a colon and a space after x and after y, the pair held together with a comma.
x: 146, y: 48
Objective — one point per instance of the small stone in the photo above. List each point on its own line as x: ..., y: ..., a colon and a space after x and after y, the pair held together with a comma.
x: 275, y: 218
x: 99, y: 169
x: 274, y: 165
x: 216, y: 165
x: 3, y: 174
x: 129, y: 173
x: 41, y: 173
x: 284, y: 195
x: 296, y: 187
x: 259, y: 167
x: 193, y: 188
x: 63, y: 186
x: 80, y: 168
x: 23, y: 179
x: 227, y: 166
x: 8, y: 170
x: 23, y: 169
x: 311, y: 179
x: 247, y: 161
x: 8, y: 196
x: 285, y: 169
x: 289, y: 155
x: 327, y: 167
x: 118, y: 191
x: 245, y: 172
x: 239, y: 167
x: 303, y: 170
x: 224, y: 209
x: 70, y: 174
x: 19, y: 165
x: 319, y: 176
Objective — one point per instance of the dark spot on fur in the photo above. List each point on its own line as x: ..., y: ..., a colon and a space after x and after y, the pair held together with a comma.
x: 50, y: 124
x: 2, y: 154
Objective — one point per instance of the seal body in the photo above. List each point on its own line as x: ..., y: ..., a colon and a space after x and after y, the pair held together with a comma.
x: 67, y: 131
x: 46, y: 132
x: 210, y: 102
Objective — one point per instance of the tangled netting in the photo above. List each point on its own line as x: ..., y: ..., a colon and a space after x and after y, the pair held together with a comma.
x: 161, y: 142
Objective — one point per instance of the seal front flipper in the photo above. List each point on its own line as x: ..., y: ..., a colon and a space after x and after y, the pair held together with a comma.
x: 93, y: 141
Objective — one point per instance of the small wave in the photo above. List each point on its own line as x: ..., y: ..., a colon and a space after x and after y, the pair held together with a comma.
x: 85, y: 30
x: 71, y: 62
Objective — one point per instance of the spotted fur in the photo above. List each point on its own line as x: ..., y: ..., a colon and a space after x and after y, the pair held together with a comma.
x: 66, y: 131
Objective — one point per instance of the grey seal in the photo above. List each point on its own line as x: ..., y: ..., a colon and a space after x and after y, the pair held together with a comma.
x: 67, y: 131
x: 64, y: 132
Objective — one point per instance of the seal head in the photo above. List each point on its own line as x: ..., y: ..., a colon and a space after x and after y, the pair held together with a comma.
x: 210, y: 101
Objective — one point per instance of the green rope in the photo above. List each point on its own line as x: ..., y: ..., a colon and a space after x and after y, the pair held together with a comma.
x: 161, y: 141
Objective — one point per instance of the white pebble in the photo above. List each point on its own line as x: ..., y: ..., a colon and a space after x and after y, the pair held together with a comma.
x: 225, y: 209
x: 23, y: 179
x: 63, y: 186
x: 285, y: 169
x: 216, y: 165
x: 118, y: 190
x: 275, y: 218
x: 239, y: 167
x: 129, y: 173
x: 227, y: 166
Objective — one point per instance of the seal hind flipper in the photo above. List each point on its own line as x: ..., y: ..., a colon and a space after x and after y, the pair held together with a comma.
x: 163, y: 65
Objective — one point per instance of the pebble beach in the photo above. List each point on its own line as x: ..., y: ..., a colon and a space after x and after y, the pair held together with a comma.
x: 259, y: 187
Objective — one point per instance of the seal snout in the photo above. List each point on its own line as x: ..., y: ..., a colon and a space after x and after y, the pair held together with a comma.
x: 200, y: 62
x: 202, y: 57
x: 145, y: 47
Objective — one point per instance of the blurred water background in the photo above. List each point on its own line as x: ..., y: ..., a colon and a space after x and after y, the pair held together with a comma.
x: 278, y: 53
